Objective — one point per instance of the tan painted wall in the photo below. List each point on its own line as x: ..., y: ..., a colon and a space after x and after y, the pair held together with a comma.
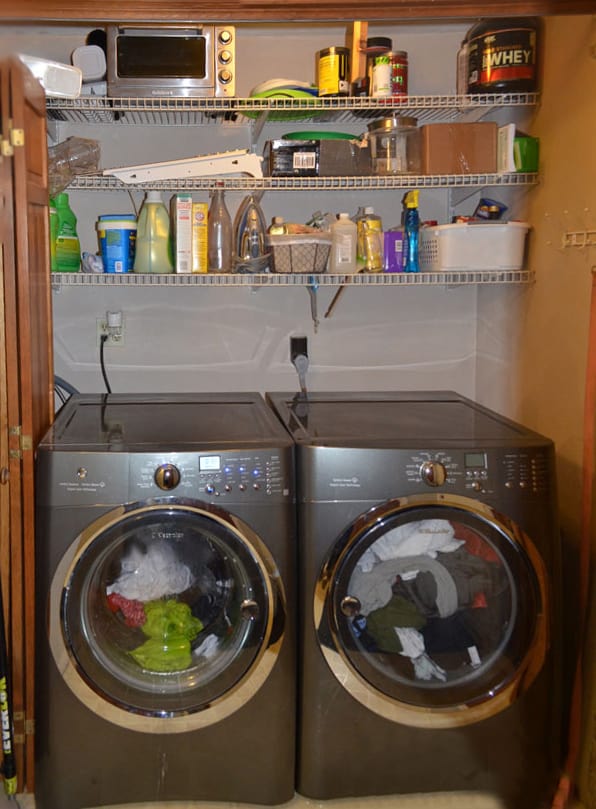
x: 554, y: 333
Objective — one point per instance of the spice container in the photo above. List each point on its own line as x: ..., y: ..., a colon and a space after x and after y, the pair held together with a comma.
x: 395, y: 145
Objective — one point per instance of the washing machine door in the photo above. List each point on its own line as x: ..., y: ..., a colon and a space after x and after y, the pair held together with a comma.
x: 166, y: 616
x: 432, y: 611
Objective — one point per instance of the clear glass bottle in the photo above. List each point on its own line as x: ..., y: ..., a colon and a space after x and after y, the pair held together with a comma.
x: 219, y: 233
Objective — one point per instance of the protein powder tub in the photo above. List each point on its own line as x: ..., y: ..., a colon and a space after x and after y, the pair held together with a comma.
x: 503, y: 56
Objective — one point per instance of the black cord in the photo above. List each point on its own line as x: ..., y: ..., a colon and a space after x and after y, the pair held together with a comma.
x: 104, y: 337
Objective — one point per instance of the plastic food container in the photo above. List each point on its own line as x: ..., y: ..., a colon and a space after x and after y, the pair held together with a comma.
x: 117, y: 237
x: 395, y: 145
x: 300, y: 253
x: 472, y: 246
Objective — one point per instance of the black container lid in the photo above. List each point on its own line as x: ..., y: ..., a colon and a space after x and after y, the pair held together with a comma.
x: 378, y: 44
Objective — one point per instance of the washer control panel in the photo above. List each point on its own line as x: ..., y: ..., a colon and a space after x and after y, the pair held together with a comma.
x: 210, y: 475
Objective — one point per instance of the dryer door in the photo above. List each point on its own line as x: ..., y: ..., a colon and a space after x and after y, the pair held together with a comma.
x: 432, y: 611
x: 166, y: 616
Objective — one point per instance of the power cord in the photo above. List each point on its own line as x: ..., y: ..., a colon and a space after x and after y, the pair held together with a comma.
x: 104, y: 337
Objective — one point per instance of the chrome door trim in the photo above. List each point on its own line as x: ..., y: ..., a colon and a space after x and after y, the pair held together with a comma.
x: 231, y: 701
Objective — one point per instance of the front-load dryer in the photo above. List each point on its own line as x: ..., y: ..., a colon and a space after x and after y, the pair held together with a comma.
x: 165, y: 582
x: 429, y: 555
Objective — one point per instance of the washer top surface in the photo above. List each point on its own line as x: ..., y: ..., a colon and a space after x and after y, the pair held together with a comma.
x: 141, y: 422
x: 396, y: 419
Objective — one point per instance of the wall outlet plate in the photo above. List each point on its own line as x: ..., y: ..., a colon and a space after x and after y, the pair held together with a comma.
x: 115, y: 337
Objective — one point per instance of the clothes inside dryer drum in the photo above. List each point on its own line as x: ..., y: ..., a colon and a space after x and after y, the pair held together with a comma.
x: 438, y: 615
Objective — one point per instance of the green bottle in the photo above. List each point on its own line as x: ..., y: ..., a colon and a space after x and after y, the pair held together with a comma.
x: 68, y: 248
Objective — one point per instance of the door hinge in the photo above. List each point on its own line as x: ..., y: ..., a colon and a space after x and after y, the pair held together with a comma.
x: 26, y: 443
x: 29, y: 727
x: 17, y: 136
x: 6, y: 148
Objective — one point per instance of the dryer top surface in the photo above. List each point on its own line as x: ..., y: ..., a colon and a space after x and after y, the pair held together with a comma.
x: 144, y: 422
x: 396, y: 419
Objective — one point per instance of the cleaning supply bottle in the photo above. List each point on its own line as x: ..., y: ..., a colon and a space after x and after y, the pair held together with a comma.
x: 153, y: 252
x: 219, y: 233
x: 370, y: 241
x: 68, y: 247
x: 344, y: 234
x: 277, y: 227
x: 411, y: 230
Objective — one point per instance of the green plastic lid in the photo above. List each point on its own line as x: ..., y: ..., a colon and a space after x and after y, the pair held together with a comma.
x: 319, y: 136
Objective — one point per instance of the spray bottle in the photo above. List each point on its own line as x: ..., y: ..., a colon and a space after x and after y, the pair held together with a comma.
x: 411, y: 228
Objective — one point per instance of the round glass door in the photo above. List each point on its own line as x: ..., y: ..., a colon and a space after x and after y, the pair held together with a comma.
x: 170, y: 611
x: 431, y: 611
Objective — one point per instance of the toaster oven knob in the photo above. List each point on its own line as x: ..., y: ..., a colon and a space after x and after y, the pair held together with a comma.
x: 225, y: 37
x: 225, y: 57
x: 433, y: 473
x: 167, y: 476
x: 225, y: 76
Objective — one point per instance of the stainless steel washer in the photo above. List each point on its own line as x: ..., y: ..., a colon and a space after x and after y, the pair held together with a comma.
x: 165, y: 582
x: 429, y: 557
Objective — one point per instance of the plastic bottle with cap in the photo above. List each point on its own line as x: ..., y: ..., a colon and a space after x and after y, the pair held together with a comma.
x: 68, y: 247
x: 411, y: 232
x: 343, y: 245
x: 370, y: 241
x: 153, y: 248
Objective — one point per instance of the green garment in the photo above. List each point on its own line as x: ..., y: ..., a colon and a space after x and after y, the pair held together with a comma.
x: 170, y: 627
x: 381, y: 623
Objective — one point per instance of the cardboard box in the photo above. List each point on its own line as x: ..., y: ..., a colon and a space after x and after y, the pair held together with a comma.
x: 459, y: 148
x: 200, y: 212
x: 181, y: 215
x: 316, y: 158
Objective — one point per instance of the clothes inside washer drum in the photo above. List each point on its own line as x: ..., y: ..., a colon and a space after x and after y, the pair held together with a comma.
x: 374, y: 589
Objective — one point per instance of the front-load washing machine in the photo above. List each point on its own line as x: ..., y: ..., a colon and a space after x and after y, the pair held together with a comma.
x: 429, y: 553
x: 165, y: 567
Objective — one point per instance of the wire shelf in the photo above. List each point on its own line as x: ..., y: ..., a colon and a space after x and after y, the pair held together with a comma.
x: 239, y: 111
x: 451, y: 278
x: 97, y: 182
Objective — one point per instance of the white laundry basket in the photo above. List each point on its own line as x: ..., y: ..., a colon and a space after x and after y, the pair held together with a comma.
x: 473, y: 246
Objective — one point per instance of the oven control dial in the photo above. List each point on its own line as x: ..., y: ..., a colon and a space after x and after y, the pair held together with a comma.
x: 225, y: 57
x: 433, y: 473
x: 167, y: 476
x: 225, y: 76
x: 225, y: 37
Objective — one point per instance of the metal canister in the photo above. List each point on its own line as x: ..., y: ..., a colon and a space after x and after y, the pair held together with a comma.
x: 333, y: 71
x: 399, y: 73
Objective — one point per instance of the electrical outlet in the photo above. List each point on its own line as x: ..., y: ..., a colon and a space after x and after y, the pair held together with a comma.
x: 298, y: 346
x: 115, y: 335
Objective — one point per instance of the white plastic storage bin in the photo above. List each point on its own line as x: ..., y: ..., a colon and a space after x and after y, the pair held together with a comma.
x: 473, y: 246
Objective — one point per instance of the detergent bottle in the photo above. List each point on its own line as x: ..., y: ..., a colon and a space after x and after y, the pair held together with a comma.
x: 153, y: 248
x: 67, y: 256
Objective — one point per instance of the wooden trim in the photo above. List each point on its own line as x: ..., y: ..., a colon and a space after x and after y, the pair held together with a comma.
x: 272, y: 10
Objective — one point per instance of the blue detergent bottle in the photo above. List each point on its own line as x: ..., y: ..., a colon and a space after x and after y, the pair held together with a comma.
x: 411, y: 232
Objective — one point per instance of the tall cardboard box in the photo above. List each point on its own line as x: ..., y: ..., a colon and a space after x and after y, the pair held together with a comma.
x: 181, y: 215
x: 459, y: 148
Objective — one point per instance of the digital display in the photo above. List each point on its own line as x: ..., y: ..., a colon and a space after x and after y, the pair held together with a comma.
x: 475, y: 460
x: 209, y: 463
x: 166, y: 57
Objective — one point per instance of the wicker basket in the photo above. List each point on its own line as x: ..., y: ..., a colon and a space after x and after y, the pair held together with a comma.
x: 300, y: 253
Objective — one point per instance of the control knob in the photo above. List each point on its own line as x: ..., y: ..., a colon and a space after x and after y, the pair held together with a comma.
x: 433, y: 473
x: 167, y: 476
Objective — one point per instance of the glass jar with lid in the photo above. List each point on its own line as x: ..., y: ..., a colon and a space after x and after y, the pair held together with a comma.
x: 395, y: 145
